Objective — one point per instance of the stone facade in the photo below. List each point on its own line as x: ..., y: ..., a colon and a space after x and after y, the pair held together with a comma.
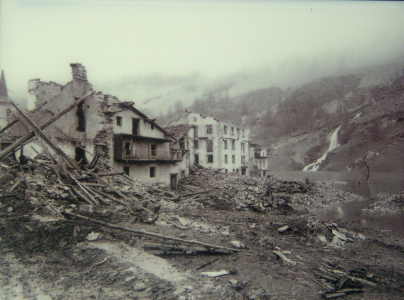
x: 218, y: 144
x: 121, y: 134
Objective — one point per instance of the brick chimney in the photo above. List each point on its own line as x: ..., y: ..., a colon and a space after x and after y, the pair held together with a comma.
x: 80, y: 84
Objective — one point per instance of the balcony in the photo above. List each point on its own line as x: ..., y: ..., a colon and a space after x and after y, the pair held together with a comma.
x: 259, y: 155
x: 152, y: 155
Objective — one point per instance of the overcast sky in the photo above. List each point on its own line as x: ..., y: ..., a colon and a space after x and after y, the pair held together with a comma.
x: 115, y: 40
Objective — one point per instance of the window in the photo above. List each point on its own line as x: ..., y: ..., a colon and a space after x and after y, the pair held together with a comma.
x: 127, y: 149
x: 195, y: 132
x: 232, y: 131
x: 209, y: 129
x: 152, y: 126
x: 243, y: 159
x: 226, y: 159
x: 233, y: 159
x: 196, y: 144
x: 225, y: 129
x: 153, y: 151
x: 234, y: 170
x: 209, y: 145
x: 152, y: 171
x: 242, y: 132
x: 81, y: 125
x: 226, y: 171
x: 182, y: 143
x: 237, y: 170
x: 233, y: 145
x: 242, y: 147
x: 210, y: 158
x: 126, y: 170
x: 225, y: 144
x: 238, y: 131
x: 196, y: 158
x: 119, y: 121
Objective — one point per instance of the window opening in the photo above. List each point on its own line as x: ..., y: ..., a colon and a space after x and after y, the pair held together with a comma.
x: 81, y: 125
x: 153, y: 151
x: 209, y: 146
x: 135, y: 126
x: 119, y: 121
x: 127, y: 148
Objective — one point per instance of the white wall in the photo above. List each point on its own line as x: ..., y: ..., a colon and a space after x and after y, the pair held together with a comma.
x: 126, y: 127
x: 218, y: 136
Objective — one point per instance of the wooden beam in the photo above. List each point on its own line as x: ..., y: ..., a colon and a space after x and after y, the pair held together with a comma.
x: 9, y: 125
x: 149, y: 233
x: 39, y: 132
x: 30, y: 135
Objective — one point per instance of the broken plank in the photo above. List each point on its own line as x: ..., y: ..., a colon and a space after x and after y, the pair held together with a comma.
x: 207, y: 264
x: 363, y: 281
x: 149, y: 233
x: 196, y: 193
x: 84, y: 190
x: 81, y: 195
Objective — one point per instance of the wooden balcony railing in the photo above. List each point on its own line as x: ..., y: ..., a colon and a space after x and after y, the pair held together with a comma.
x: 152, y: 155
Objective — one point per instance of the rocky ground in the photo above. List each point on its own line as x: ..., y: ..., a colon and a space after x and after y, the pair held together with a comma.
x: 218, y: 237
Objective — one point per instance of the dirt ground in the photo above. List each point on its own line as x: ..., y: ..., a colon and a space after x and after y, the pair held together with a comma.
x: 284, y: 251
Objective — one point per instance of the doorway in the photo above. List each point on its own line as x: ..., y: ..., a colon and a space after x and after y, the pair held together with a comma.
x: 81, y: 156
x: 173, y: 181
x: 197, y: 158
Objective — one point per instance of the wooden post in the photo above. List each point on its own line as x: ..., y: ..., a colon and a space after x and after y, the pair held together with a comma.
x: 39, y: 132
x: 30, y: 135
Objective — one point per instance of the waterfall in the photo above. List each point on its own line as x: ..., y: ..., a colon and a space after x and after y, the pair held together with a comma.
x: 333, y: 144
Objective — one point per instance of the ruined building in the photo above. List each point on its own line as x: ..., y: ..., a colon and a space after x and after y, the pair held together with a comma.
x: 258, y: 161
x: 102, y: 125
x: 217, y: 144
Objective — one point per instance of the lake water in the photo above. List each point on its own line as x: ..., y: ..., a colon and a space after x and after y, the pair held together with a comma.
x: 391, y: 183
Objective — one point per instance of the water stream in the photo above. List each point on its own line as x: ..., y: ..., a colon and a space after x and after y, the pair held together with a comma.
x: 355, y: 182
x: 333, y: 144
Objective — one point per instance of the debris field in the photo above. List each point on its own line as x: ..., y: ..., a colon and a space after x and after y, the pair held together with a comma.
x: 71, y: 231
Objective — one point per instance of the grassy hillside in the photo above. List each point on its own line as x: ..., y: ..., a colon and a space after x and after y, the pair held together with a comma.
x: 296, y: 123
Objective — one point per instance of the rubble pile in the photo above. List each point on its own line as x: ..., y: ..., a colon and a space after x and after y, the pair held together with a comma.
x: 234, y: 192
x: 320, y: 194
x: 386, y: 204
x: 222, y: 191
x: 340, y: 281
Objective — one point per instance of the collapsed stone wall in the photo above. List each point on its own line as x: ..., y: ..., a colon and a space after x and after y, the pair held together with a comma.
x: 43, y: 92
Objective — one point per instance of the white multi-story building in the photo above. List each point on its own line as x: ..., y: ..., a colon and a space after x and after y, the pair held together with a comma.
x: 218, y: 144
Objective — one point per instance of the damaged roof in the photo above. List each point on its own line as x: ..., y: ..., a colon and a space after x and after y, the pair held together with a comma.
x: 130, y: 105
x: 178, y: 131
